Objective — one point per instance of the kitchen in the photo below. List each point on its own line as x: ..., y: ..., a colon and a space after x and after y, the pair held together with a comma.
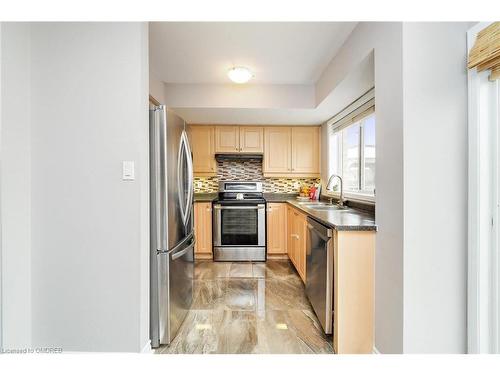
x: 288, y: 254
x: 250, y: 263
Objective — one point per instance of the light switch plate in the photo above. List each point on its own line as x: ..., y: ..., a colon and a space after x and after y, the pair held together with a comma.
x: 128, y: 171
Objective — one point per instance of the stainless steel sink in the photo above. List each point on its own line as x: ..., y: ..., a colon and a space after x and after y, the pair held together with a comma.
x: 309, y: 203
x: 324, y: 207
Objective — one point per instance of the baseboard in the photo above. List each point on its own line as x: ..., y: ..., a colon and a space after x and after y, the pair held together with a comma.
x: 203, y: 256
x: 277, y: 256
x: 375, y: 350
x: 147, y: 348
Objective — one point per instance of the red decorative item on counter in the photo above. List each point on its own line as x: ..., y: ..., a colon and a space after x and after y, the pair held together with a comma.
x: 312, y: 193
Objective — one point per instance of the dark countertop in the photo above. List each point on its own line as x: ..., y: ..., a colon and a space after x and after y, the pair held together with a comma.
x: 279, y: 197
x: 204, y: 197
x: 348, y: 219
x: 342, y: 220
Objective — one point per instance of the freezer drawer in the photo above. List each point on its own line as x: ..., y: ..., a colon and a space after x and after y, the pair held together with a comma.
x: 174, y: 293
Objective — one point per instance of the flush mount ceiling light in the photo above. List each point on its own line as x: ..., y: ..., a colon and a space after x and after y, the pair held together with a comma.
x: 239, y: 74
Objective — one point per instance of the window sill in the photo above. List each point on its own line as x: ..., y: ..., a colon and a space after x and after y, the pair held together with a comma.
x: 361, y: 198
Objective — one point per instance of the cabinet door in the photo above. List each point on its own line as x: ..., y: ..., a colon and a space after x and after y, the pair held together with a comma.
x: 301, y: 248
x: 289, y: 231
x: 305, y: 150
x: 276, y: 228
x: 227, y: 139
x: 203, y: 228
x: 277, y: 142
x: 296, y: 242
x: 295, y: 238
x: 201, y: 138
x: 252, y: 139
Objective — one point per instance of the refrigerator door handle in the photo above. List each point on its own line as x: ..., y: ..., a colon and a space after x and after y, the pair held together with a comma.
x: 182, y: 252
x: 179, y: 182
x: 184, y: 151
x: 159, y: 130
x: 182, y: 244
x: 190, y: 176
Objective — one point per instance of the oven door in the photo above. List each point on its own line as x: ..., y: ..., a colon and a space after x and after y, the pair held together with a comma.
x: 239, y: 225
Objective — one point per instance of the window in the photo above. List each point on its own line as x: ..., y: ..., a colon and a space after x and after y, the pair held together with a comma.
x: 352, y: 156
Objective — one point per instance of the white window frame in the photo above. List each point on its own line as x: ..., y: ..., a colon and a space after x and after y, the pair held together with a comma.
x: 338, y: 169
x: 483, y: 286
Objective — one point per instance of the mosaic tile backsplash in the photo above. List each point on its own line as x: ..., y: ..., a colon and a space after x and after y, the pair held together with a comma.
x: 249, y: 170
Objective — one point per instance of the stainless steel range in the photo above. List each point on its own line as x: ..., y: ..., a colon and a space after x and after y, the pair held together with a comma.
x: 239, y: 216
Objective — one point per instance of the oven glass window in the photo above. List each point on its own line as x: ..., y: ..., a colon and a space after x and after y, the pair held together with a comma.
x: 239, y: 227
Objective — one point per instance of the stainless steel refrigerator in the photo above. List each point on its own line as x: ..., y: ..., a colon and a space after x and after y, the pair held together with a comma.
x: 172, y: 239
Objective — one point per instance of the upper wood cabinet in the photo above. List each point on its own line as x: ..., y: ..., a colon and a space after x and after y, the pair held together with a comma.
x: 292, y: 151
x: 277, y: 150
x: 252, y: 139
x: 201, y: 138
x: 227, y: 139
x: 288, y: 151
x: 276, y: 228
x: 234, y: 139
x: 305, y: 150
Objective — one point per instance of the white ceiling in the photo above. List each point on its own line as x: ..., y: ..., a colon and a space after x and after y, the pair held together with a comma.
x: 356, y: 83
x: 277, y: 53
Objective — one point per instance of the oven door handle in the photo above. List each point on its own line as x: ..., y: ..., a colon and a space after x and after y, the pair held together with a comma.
x: 257, y: 207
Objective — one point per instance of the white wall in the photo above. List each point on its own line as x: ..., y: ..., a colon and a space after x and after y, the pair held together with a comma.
x: 435, y: 181
x: 385, y: 40
x: 420, y: 98
x: 359, y: 80
x: 156, y: 88
x: 90, y: 233
x: 15, y: 192
x: 240, y: 96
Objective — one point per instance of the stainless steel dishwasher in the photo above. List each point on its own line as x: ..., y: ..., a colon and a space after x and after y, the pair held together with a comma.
x: 319, y: 275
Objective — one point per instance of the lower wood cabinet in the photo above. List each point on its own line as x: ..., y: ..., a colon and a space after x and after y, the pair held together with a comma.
x: 353, y: 284
x: 296, y: 242
x: 353, y: 292
x: 203, y: 230
x: 276, y: 229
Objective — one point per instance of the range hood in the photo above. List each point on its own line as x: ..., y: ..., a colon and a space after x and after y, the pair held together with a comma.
x: 237, y: 156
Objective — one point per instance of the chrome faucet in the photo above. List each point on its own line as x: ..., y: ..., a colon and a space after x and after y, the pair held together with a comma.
x: 341, y: 200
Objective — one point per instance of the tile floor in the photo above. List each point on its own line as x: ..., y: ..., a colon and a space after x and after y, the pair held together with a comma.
x: 249, y: 308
